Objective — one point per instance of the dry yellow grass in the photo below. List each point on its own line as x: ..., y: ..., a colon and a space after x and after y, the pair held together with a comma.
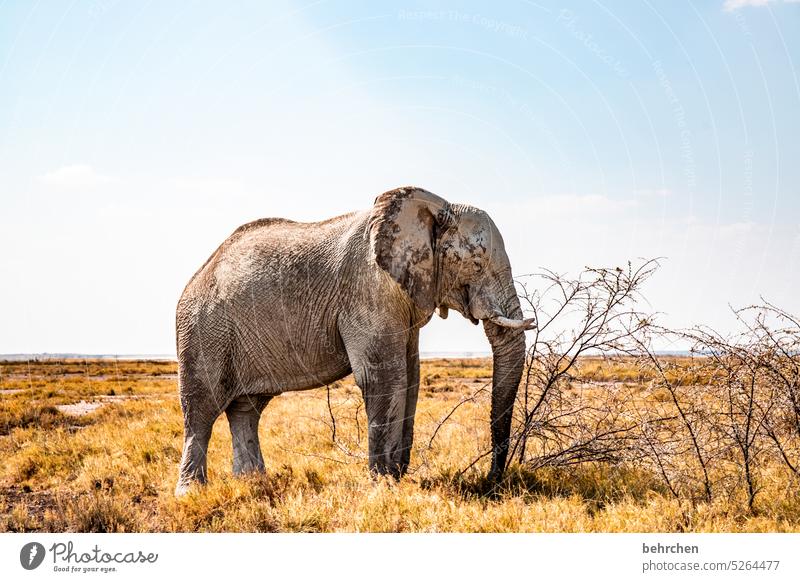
x: 114, y: 468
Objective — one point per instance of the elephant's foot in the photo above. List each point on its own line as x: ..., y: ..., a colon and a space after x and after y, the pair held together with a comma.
x: 183, y: 487
x: 387, y: 466
x: 243, y: 415
x: 247, y: 457
x: 193, y: 461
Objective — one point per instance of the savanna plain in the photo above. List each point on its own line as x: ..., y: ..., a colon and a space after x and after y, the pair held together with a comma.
x: 94, y: 445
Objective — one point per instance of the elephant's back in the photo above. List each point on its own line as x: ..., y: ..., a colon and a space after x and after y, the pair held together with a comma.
x: 265, y: 243
x: 289, y: 236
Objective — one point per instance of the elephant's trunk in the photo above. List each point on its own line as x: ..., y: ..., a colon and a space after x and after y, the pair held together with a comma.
x: 508, y: 358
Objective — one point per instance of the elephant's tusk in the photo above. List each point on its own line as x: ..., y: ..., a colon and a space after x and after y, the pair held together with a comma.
x: 525, y: 324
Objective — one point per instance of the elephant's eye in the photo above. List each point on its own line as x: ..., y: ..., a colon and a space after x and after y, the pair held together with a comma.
x: 477, y: 267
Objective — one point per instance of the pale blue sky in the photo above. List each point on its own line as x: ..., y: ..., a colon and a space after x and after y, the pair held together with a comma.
x: 135, y: 136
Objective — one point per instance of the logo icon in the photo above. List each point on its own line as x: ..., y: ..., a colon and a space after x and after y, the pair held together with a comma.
x: 31, y: 555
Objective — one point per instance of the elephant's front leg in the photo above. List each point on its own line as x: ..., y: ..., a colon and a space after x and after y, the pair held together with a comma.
x: 243, y: 415
x: 384, y: 386
x: 412, y: 393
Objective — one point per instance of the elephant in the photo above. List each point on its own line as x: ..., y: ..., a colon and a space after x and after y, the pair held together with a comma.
x: 283, y: 306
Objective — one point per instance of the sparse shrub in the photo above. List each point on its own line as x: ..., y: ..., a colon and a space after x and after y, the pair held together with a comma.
x: 704, y: 426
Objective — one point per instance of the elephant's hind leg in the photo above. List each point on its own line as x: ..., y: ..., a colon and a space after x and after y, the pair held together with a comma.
x: 243, y: 415
x: 197, y: 433
x: 200, y: 409
x: 193, y: 460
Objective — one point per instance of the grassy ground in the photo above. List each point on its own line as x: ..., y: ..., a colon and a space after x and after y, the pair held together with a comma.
x: 113, y: 467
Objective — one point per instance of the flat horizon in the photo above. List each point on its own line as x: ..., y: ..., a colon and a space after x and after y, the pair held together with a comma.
x: 425, y: 355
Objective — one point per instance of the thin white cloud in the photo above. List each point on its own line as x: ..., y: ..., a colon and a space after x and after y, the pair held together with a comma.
x: 206, y: 184
x: 723, y: 231
x: 732, y: 5
x: 690, y: 220
x: 74, y: 176
x: 572, y: 203
x: 209, y: 187
x: 653, y: 192
x: 735, y: 229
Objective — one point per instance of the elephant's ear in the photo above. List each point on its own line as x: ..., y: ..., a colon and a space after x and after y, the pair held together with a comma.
x: 403, y: 230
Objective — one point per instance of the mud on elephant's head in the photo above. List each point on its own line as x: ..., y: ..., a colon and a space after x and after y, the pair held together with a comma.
x: 445, y: 256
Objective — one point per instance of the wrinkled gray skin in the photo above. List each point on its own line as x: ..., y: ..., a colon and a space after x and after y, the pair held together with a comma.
x: 284, y: 306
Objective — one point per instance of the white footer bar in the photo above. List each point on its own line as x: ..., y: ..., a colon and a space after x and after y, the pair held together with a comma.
x: 389, y: 557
